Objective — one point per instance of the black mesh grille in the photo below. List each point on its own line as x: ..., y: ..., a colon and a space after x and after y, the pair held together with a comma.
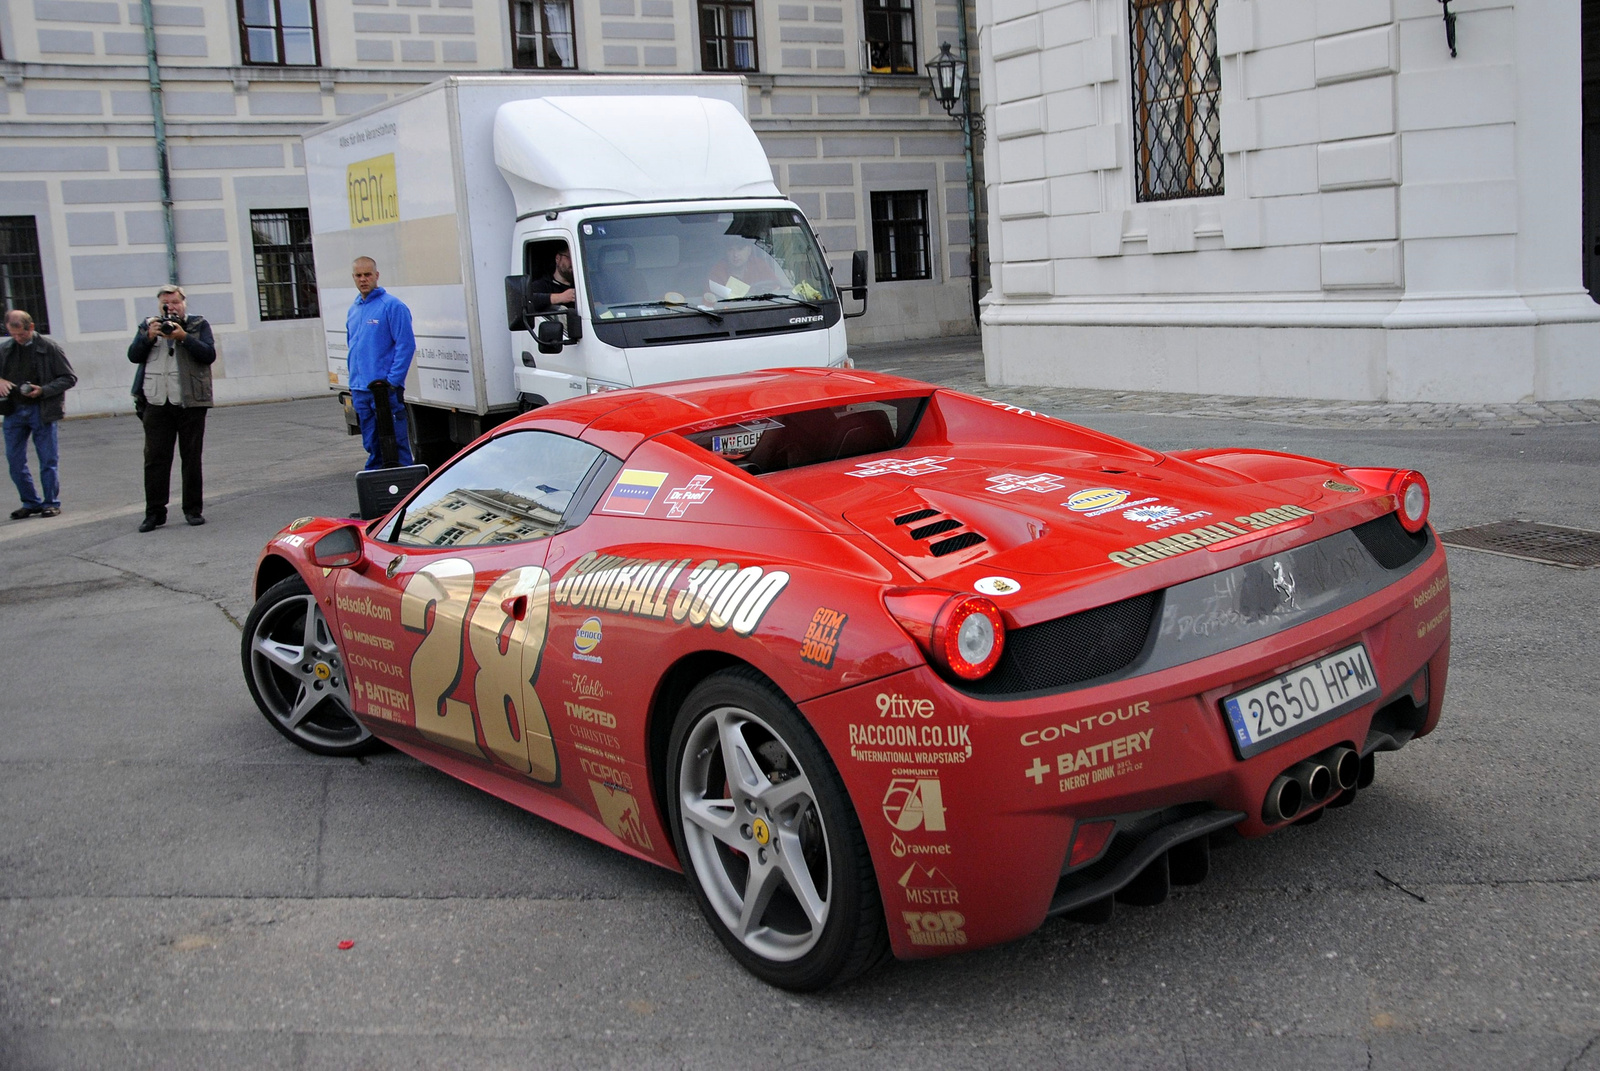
x: 935, y: 528
x: 919, y: 515
x: 1391, y: 544
x: 954, y: 543
x: 1176, y: 83
x: 1080, y: 647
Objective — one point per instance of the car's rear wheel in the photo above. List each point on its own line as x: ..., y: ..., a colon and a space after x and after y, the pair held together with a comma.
x: 296, y: 673
x: 771, y: 846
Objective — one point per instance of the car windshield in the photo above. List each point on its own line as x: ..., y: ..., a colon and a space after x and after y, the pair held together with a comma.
x: 687, y: 264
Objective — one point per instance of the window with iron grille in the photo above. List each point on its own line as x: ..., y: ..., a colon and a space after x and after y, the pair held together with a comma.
x: 21, y: 270
x: 891, y: 37
x: 286, y: 278
x: 727, y: 35
x: 279, y: 33
x: 1176, y: 78
x: 541, y: 34
x: 900, y: 235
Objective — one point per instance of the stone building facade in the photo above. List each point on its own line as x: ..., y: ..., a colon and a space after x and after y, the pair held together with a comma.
x: 837, y: 93
x: 1310, y: 198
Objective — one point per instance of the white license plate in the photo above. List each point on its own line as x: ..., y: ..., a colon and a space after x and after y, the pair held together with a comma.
x: 1286, y: 706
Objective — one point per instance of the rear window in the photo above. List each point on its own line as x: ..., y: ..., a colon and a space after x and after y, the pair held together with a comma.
x: 813, y: 436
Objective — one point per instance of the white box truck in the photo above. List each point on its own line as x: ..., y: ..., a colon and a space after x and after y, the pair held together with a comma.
x: 687, y: 261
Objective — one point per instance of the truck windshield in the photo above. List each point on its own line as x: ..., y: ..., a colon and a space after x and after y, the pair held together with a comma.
x: 689, y: 264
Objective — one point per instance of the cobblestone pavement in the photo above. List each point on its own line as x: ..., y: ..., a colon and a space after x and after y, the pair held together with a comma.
x: 958, y: 363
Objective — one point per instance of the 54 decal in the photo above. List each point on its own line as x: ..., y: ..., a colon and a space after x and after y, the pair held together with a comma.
x: 506, y: 633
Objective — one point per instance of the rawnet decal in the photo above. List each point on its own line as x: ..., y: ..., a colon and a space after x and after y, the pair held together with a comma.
x: 900, y: 849
x: 1204, y: 536
x: 920, y: 745
x: 914, y: 803
x: 719, y: 594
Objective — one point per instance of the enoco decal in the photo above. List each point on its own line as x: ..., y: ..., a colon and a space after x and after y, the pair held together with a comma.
x: 1196, y: 538
x: 586, y: 639
x: 719, y: 594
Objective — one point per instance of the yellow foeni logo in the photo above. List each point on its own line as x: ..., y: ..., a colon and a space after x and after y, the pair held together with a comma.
x: 374, y: 196
x: 759, y: 830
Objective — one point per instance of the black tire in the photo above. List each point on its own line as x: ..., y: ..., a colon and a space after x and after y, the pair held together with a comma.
x: 783, y: 832
x: 296, y: 673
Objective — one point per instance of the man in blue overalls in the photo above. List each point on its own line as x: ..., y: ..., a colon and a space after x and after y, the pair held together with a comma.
x: 381, y: 346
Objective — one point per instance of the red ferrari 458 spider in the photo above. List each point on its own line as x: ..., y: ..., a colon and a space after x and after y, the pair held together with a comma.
x: 881, y: 667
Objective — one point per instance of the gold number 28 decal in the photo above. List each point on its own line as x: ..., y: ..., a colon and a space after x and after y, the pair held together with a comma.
x: 506, y: 632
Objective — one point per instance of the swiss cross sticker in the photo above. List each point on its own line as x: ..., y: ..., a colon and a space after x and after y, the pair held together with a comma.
x: 1007, y: 482
x: 919, y: 466
x: 696, y: 491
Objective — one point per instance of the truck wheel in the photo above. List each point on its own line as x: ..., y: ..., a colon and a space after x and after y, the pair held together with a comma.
x: 772, y: 848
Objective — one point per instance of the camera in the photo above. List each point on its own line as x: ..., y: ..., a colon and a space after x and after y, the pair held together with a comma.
x: 166, y: 325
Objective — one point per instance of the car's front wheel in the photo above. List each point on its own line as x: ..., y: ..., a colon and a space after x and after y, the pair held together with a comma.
x: 771, y: 846
x: 296, y: 674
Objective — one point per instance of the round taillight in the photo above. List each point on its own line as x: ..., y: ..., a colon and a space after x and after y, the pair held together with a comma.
x: 968, y: 636
x: 1411, y: 499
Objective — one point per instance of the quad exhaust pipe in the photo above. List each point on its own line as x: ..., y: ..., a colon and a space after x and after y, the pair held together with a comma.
x: 1311, y: 781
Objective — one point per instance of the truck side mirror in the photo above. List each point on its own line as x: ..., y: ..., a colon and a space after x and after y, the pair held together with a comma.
x: 548, y: 334
x: 858, y: 282
x: 516, y: 302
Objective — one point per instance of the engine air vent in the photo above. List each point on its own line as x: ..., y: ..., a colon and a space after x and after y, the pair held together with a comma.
x: 919, y: 515
x: 955, y: 543
x: 935, y: 528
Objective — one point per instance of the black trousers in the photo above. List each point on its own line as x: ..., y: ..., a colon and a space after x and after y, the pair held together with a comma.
x: 165, y: 426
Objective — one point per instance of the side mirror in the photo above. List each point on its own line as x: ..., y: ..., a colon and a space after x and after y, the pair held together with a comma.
x: 548, y: 334
x: 516, y: 301
x: 338, y: 549
x: 858, y: 282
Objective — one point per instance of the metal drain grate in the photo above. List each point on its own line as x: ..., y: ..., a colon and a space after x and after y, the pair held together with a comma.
x: 1548, y: 544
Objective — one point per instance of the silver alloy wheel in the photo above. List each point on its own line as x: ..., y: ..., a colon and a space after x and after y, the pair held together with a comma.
x: 299, y: 676
x: 755, y: 834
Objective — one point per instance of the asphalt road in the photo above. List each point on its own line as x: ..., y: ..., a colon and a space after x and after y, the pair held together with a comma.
x: 175, y: 877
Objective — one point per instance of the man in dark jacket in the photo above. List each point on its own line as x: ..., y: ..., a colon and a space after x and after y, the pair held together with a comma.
x: 34, y: 374
x: 177, y: 352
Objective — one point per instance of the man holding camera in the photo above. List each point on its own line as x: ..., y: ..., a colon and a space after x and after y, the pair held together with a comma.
x: 378, y: 329
x: 177, y: 352
x: 34, y: 374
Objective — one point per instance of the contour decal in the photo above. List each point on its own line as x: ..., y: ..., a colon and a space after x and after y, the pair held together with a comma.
x: 1010, y: 482
x: 719, y: 594
x: 996, y: 585
x: 919, y: 466
x: 1204, y: 536
x: 821, y: 641
x: 633, y: 492
x: 1086, y: 724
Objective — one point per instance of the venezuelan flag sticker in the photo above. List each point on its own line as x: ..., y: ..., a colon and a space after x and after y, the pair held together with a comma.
x: 633, y: 492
